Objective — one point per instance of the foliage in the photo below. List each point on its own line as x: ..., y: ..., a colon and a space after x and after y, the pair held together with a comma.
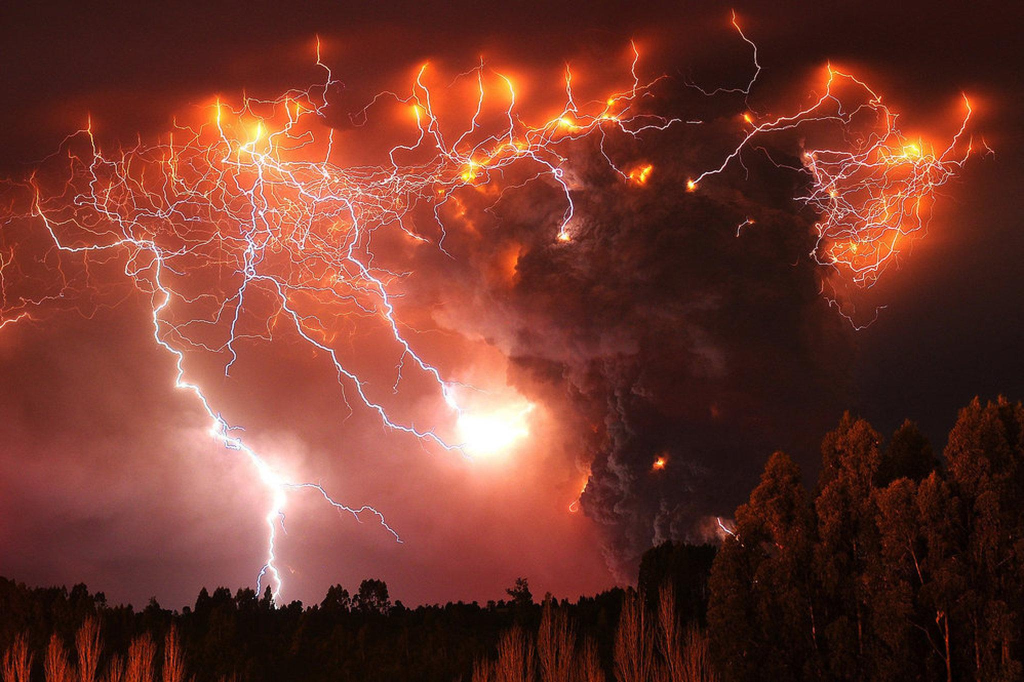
x: 248, y: 638
x: 901, y: 567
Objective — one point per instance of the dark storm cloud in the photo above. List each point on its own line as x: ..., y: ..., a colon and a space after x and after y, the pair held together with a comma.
x: 722, y: 341
x: 657, y: 332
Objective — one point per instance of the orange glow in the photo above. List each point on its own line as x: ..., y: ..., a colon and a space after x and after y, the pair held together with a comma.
x: 640, y: 174
x: 261, y: 196
x: 893, y: 184
x: 509, y: 262
x: 574, y: 506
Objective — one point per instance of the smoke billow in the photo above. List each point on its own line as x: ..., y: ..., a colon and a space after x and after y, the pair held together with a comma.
x: 658, y: 332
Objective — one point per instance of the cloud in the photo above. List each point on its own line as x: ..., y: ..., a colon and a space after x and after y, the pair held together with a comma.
x: 658, y: 332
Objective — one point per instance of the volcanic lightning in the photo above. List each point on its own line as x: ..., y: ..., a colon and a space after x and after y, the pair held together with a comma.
x: 246, y: 227
x: 874, y: 194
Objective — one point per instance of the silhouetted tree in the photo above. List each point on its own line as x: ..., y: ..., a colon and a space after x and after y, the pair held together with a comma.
x: 687, y: 568
x: 520, y: 593
x: 336, y: 600
x: 373, y: 597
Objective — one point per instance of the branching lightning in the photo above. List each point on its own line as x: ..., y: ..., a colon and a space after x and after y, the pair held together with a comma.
x: 246, y: 227
x: 873, y: 195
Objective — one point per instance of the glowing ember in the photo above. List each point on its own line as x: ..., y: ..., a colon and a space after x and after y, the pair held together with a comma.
x: 640, y: 174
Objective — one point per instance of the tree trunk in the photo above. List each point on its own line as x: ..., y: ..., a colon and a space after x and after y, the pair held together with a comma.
x: 945, y: 633
x: 814, y: 629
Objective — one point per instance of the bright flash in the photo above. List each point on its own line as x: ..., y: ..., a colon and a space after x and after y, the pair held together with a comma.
x: 659, y: 463
x: 640, y: 174
x: 494, y: 432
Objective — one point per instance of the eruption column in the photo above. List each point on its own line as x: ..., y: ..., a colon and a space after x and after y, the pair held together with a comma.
x: 245, y: 227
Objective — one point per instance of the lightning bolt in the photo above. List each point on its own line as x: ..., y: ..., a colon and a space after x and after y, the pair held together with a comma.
x: 246, y: 225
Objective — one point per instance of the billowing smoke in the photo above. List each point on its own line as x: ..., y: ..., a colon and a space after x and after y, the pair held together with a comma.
x: 673, y: 351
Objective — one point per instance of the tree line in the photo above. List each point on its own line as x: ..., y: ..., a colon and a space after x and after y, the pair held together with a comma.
x: 241, y: 637
x: 896, y: 564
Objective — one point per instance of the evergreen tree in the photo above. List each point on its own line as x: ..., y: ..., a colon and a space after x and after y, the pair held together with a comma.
x: 909, y: 455
x: 847, y: 544
x: 373, y: 597
x: 985, y: 459
x: 894, y: 582
x: 763, y: 577
x: 944, y: 572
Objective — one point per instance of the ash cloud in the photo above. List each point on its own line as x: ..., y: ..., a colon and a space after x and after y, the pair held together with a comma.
x: 659, y: 333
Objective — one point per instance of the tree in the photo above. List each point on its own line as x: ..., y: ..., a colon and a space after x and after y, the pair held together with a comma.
x: 56, y: 666
x: 687, y: 568
x: 516, y: 657
x: 173, y: 669
x: 520, y: 593
x: 762, y: 583
x: 634, y: 641
x: 894, y: 582
x: 847, y: 543
x: 88, y: 648
x: 737, y: 643
x: 17, y: 662
x: 141, y: 652
x: 942, y: 566
x: 697, y: 663
x: 909, y: 455
x: 556, y: 643
x: 373, y: 597
x: 337, y: 599
x: 670, y: 644
x: 588, y: 668
x: 483, y: 671
x: 985, y: 460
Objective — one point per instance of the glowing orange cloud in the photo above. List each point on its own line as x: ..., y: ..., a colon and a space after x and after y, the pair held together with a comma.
x: 244, y: 227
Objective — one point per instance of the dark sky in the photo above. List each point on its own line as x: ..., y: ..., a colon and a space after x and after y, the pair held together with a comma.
x: 106, y: 476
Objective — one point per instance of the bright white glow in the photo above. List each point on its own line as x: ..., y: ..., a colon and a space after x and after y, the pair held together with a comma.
x: 490, y: 433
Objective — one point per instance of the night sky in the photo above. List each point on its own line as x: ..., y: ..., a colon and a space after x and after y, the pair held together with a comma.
x: 663, y: 333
